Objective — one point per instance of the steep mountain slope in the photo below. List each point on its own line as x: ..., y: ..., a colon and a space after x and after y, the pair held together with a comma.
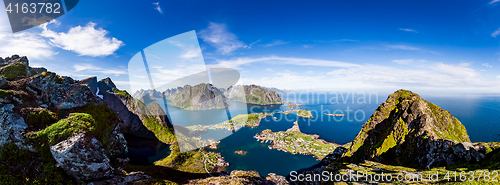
x: 408, y: 130
x: 139, y: 119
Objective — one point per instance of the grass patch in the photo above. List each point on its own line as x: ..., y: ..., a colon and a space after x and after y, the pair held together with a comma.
x: 5, y: 93
x: 14, y: 71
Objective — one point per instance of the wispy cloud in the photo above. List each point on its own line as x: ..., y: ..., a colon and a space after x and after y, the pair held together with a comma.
x: 487, y: 65
x: 405, y: 61
x: 496, y: 33
x: 239, y: 62
x: 275, y: 43
x: 494, y: 1
x: 403, y: 47
x: 218, y: 36
x: 87, y: 40
x: 408, y: 30
x: 158, y: 8
x: 94, y: 69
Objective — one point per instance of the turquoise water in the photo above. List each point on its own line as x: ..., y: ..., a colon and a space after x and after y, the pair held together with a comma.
x: 480, y: 115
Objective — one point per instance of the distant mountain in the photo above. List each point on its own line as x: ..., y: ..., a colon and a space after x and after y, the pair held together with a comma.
x: 406, y: 129
x: 206, y: 96
x: 147, y: 96
x: 253, y: 94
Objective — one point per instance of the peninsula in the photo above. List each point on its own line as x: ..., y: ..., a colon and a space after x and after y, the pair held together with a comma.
x: 295, y: 142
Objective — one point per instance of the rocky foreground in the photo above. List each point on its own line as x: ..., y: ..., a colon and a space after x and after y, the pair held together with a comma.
x: 58, y: 130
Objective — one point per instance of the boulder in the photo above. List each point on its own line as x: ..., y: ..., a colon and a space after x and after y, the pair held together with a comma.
x: 61, y: 92
x: 278, y: 179
x: 83, y: 157
x: 118, y: 142
x: 10, y: 126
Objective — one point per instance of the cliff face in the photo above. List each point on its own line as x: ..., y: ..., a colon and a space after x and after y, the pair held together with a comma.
x: 206, y: 96
x: 406, y: 129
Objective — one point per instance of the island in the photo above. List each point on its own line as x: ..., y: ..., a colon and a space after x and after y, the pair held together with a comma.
x: 303, y: 113
x: 240, y: 152
x: 295, y: 142
x: 291, y: 105
x: 335, y: 115
x: 244, y: 120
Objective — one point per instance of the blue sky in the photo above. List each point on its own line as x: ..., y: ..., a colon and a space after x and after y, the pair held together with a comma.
x: 439, y: 47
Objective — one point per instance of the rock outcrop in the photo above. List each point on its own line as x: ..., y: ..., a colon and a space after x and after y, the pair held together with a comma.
x: 11, y: 124
x: 82, y: 157
x: 408, y: 130
x: 241, y: 177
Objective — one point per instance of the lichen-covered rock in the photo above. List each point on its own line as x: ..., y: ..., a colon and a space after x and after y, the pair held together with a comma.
x: 61, y: 92
x: 118, y: 143
x: 123, y: 180
x: 278, y: 179
x: 236, y: 177
x: 3, y: 81
x: 406, y: 129
x: 10, y: 126
x: 82, y: 157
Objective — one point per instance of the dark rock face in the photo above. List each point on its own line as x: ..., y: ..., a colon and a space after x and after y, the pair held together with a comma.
x: 82, y: 157
x: 406, y: 129
x: 134, y: 177
x: 132, y: 122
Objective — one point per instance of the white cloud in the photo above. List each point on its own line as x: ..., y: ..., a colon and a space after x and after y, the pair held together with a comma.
x: 25, y: 44
x: 275, y: 43
x: 157, y: 7
x: 239, y: 62
x: 306, y: 46
x: 487, y: 65
x: 219, y: 37
x: 432, y: 76
x: 402, y: 47
x: 406, y: 61
x: 92, y: 68
x: 87, y: 40
x: 408, y: 30
x: 496, y: 33
x: 494, y: 1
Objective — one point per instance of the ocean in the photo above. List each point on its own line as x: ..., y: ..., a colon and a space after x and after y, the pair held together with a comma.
x: 479, y: 114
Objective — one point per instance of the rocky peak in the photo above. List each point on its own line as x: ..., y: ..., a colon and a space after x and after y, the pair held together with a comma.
x: 406, y: 129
